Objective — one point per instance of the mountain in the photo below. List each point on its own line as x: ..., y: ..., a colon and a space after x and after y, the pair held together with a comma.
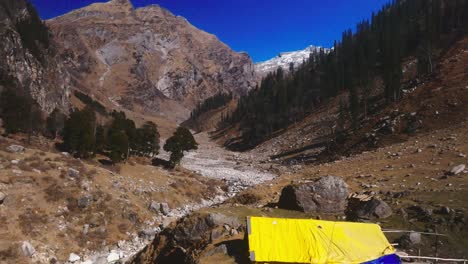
x: 285, y: 59
x: 147, y: 59
x: 30, y: 66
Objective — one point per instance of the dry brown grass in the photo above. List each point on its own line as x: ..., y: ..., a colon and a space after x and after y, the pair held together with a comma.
x: 32, y: 221
x: 55, y: 193
x: 24, y: 166
x: 9, y: 254
x: 246, y: 198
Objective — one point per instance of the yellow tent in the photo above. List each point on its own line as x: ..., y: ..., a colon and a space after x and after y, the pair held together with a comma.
x: 314, y: 241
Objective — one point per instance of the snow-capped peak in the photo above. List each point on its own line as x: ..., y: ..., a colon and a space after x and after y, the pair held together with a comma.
x: 284, y: 59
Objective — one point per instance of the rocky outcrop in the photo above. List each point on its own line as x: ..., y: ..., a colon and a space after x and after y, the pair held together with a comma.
x: 147, y: 59
x: 326, y: 195
x: 183, y: 241
x: 29, y: 62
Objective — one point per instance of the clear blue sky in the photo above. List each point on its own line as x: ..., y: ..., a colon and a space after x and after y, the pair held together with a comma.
x: 263, y: 28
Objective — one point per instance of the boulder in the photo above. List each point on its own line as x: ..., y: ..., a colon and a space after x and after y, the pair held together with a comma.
x: 181, y: 241
x: 27, y: 249
x: 369, y: 209
x: 15, y: 149
x: 73, y: 173
x: 457, y: 169
x: 326, y: 195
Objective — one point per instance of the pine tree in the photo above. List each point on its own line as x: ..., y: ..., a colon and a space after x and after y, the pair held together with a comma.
x: 119, y: 146
x: 79, y: 133
x: 182, y: 140
x: 147, y: 142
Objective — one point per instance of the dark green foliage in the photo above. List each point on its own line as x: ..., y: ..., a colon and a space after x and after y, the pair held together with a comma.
x: 214, y: 102
x: 20, y: 113
x: 143, y: 141
x: 121, y: 123
x: 376, y: 48
x: 33, y: 32
x: 98, y: 107
x: 79, y: 133
x: 181, y: 141
x: 119, y: 146
x: 55, y: 123
x: 147, y: 140
x: 101, y: 139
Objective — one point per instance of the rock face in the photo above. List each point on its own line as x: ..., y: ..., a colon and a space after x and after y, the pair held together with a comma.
x: 370, y: 209
x: 326, y: 195
x: 147, y: 59
x: 29, y: 62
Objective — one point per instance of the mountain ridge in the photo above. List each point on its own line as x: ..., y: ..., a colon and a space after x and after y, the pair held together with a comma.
x: 147, y: 59
x: 283, y: 60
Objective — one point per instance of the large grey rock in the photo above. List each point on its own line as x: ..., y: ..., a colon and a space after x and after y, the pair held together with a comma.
x: 373, y: 208
x: 27, y: 249
x: 326, y: 195
x: 15, y: 149
x: 457, y: 169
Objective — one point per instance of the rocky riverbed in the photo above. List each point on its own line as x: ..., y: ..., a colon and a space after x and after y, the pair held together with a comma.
x: 239, y: 170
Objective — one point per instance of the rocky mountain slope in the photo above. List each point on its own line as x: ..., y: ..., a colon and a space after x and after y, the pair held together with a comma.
x: 285, y: 59
x: 56, y: 208
x: 147, y: 59
x: 29, y: 62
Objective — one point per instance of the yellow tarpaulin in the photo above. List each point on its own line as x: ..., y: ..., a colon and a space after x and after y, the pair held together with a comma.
x: 314, y: 241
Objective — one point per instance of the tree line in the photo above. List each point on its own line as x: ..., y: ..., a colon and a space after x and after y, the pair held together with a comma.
x: 376, y: 48
x: 83, y: 136
x: 214, y: 102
